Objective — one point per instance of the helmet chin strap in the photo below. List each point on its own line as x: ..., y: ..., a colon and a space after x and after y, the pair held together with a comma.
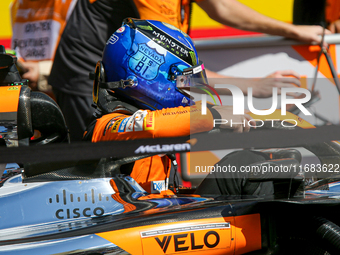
x: 117, y: 84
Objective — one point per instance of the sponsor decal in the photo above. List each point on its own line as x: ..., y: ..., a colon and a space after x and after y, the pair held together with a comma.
x: 111, y: 123
x: 77, y: 213
x: 149, y: 123
x: 146, y: 62
x: 129, y: 125
x: 13, y: 88
x: 180, y: 112
x: 120, y: 30
x: 158, y: 186
x: 123, y: 125
x: 163, y: 148
x: 68, y: 211
x: 191, y: 238
x: 145, y: 27
x: 136, y: 122
x: 171, y: 44
x: 185, y: 229
x: 115, y: 126
x: 113, y: 39
x: 198, y: 69
x: 193, y: 58
x: 194, y: 70
x: 139, y: 119
x: 184, y: 100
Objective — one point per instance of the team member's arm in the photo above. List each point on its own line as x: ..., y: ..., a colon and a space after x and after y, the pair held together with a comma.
x: 235, y: 14
x: 334, y: 27
x: 262, y: 87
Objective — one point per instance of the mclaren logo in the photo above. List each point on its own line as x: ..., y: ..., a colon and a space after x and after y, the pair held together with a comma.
x: 163, y: 148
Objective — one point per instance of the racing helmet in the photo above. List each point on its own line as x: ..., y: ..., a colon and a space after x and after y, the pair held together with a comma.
x: 149, y: 62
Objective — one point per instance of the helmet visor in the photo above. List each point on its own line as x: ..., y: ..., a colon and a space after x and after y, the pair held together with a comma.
x: 192, y: 77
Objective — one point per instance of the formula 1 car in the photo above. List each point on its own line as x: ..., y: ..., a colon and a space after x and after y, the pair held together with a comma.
x: 89, y: 207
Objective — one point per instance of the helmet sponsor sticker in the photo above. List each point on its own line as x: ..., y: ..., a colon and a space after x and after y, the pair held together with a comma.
x: 113, y: 39
x: 144, y: 27
x: 193, y: 58
x: 171, y: 44
x: 146, y: 62
x: 184, y: 100
x: 204, y: 238
x: 198, y: 69
x: 120, y: 30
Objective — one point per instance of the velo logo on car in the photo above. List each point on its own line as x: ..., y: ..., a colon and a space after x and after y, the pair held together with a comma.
x: 202, y: 237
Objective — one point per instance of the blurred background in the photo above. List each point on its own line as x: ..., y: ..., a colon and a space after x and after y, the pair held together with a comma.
x: 200, y: 23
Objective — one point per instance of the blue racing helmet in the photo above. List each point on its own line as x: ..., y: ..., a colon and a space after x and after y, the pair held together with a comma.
x: 150, y: 62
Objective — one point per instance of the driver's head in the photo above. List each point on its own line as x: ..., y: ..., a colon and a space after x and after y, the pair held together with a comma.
x: 154, y: 60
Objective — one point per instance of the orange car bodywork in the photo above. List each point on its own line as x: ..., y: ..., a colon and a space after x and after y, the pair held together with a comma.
x: 222, y: 235
x: 9, y: 98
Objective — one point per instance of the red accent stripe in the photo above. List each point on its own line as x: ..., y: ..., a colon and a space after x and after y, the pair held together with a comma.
x: 5, y: 42
x: 218, y: 32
